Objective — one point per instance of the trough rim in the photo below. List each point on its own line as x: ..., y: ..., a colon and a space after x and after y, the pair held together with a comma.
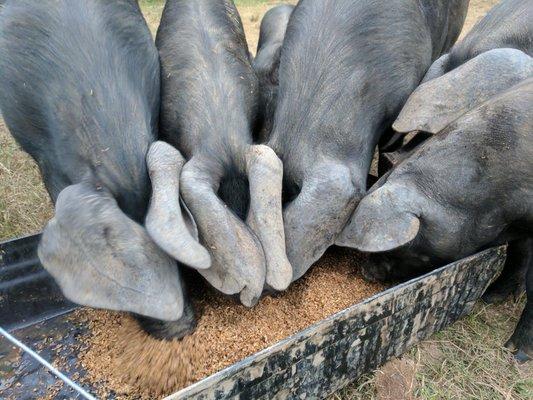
x: 259, y: 359
x: 211, y: 380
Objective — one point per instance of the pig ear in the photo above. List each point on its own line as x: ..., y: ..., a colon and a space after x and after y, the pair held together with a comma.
x: 265, y: 218
x: 169, y: 221
x: 437, y: 69
x: 314, y: 218
x: 378, y: 225
x: 101, y: 258
x: 238, y: 259
x: 438, y: 102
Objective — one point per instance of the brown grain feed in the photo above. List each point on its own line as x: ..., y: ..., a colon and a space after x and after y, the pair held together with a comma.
x: 120, y: 357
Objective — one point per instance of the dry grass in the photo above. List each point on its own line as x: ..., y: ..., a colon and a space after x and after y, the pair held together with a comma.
x: 24, y: 204
x: 476, y: 10
x: 152, y: 10
x: 465, y: 361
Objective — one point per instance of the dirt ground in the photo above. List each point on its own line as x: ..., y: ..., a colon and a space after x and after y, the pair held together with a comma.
x: 466, y: 361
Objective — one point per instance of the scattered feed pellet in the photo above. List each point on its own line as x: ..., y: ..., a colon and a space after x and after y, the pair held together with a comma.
x: 121, y: 357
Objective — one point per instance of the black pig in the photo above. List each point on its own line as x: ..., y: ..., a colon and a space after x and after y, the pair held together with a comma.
x: 440, y: 101
x: 266, y: 62
x: 467, y: 188
x: 346, y: 69
x: 507, y: 25
x: 79, y: 91
x: 210, y: 100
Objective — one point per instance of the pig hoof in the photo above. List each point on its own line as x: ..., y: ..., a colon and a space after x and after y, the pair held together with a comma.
x: 169, y: 330
x: 522, y: 357
x: 498, y: 294
x: 522, y: 352
x: 494, y: 297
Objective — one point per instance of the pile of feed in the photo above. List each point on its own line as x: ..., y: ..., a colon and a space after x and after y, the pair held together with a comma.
x: 120, y: 357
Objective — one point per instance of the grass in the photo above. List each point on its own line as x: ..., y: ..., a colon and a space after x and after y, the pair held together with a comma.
x: 152, y: 10
x: 465, y: 361
x: 24, y: 204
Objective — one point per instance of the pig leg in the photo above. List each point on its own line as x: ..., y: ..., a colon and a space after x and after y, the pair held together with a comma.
x: 521, y: 342
x: 315, y: 218
x: 265, y: 219
x: 238, y: 263
x: 513, y: 277
x: 389, y: 160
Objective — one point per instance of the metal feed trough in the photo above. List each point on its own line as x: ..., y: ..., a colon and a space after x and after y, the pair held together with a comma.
x: 310, y: 364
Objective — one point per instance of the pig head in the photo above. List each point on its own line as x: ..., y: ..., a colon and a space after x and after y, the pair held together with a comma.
x: 346, y: 68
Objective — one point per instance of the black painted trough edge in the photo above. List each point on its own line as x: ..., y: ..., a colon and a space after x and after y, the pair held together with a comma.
x: 335, y: 351
x: 26, y: 289
x: 314, y: 362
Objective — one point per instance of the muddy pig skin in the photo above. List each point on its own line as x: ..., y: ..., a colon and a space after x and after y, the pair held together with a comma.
x: 463, y: 190
x: 266, y: 64
x: 79, y: 91
x: 346, y: 69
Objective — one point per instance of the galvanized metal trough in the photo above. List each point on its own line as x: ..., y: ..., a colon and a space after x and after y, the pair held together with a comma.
x: 310, y: 364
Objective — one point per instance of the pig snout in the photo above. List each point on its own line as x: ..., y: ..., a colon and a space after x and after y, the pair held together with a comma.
x: 317, y: 215
x: 169, y: 330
